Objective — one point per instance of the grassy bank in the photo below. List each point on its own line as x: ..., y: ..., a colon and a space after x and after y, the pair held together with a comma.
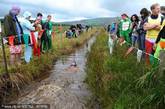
x: 56, y: 38
x: 122, y: 83
x: 19, y: 75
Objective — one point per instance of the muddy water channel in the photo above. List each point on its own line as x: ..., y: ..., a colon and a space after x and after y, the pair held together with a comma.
x: 64, y: 88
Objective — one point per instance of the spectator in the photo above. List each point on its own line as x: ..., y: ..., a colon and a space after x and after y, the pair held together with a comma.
x: 69, y: 33
x: 73, y: 29
x: 47, y: 38
x: 142, y: 33
x: 39, y: 17
x: 152, y: 26
x: 13, y: 31
x: 38, y: 34
x: 87, y: 27
x: 113, y: 30
x: 125, y: 29
x: 27, y: 28
x: 160, y: 41
x: 134, y: 27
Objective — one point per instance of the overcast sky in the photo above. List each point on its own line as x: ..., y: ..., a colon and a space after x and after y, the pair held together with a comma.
x: 66, y: 10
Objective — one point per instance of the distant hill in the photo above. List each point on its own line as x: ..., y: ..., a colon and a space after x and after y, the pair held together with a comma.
x: 95, y: 21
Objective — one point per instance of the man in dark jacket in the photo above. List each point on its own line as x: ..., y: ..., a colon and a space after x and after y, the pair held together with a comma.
x: 12, y: 25
x: 46, y: 37
x: 13, y: 31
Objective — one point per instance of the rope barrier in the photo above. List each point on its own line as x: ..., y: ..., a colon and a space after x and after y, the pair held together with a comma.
x: 142, y: 51
x: 147, y: 53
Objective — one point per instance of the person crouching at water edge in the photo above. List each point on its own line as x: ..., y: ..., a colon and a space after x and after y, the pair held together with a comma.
x: 13, y: 32
x: 27, y: 28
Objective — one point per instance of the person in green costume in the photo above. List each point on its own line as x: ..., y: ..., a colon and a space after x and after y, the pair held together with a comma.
x: 47, y: 38
x: 125, y: 29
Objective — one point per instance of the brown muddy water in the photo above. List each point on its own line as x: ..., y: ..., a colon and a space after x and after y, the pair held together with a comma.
x: 65, y: 86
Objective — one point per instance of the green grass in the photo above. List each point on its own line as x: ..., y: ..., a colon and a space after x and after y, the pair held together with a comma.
x: 122, y: 83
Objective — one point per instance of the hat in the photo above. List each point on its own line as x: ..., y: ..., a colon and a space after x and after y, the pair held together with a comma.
x: 27, y: 14
x: 124, y: 14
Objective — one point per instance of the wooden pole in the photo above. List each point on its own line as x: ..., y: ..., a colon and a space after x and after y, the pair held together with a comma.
x: 60, y: 29
x: 3, y: 50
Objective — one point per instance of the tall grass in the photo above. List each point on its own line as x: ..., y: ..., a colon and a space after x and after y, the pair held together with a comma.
x: 20, y: 75
x: 122, y: 83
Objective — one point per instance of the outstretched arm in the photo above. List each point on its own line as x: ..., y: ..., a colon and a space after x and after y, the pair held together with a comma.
x: 148, y: 26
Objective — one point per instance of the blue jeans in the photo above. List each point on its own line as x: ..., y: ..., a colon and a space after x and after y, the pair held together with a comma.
x: 134, y: 39
x: 141, y: 41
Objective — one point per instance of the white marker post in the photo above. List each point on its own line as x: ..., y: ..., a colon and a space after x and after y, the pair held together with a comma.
x: 0, y: 27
